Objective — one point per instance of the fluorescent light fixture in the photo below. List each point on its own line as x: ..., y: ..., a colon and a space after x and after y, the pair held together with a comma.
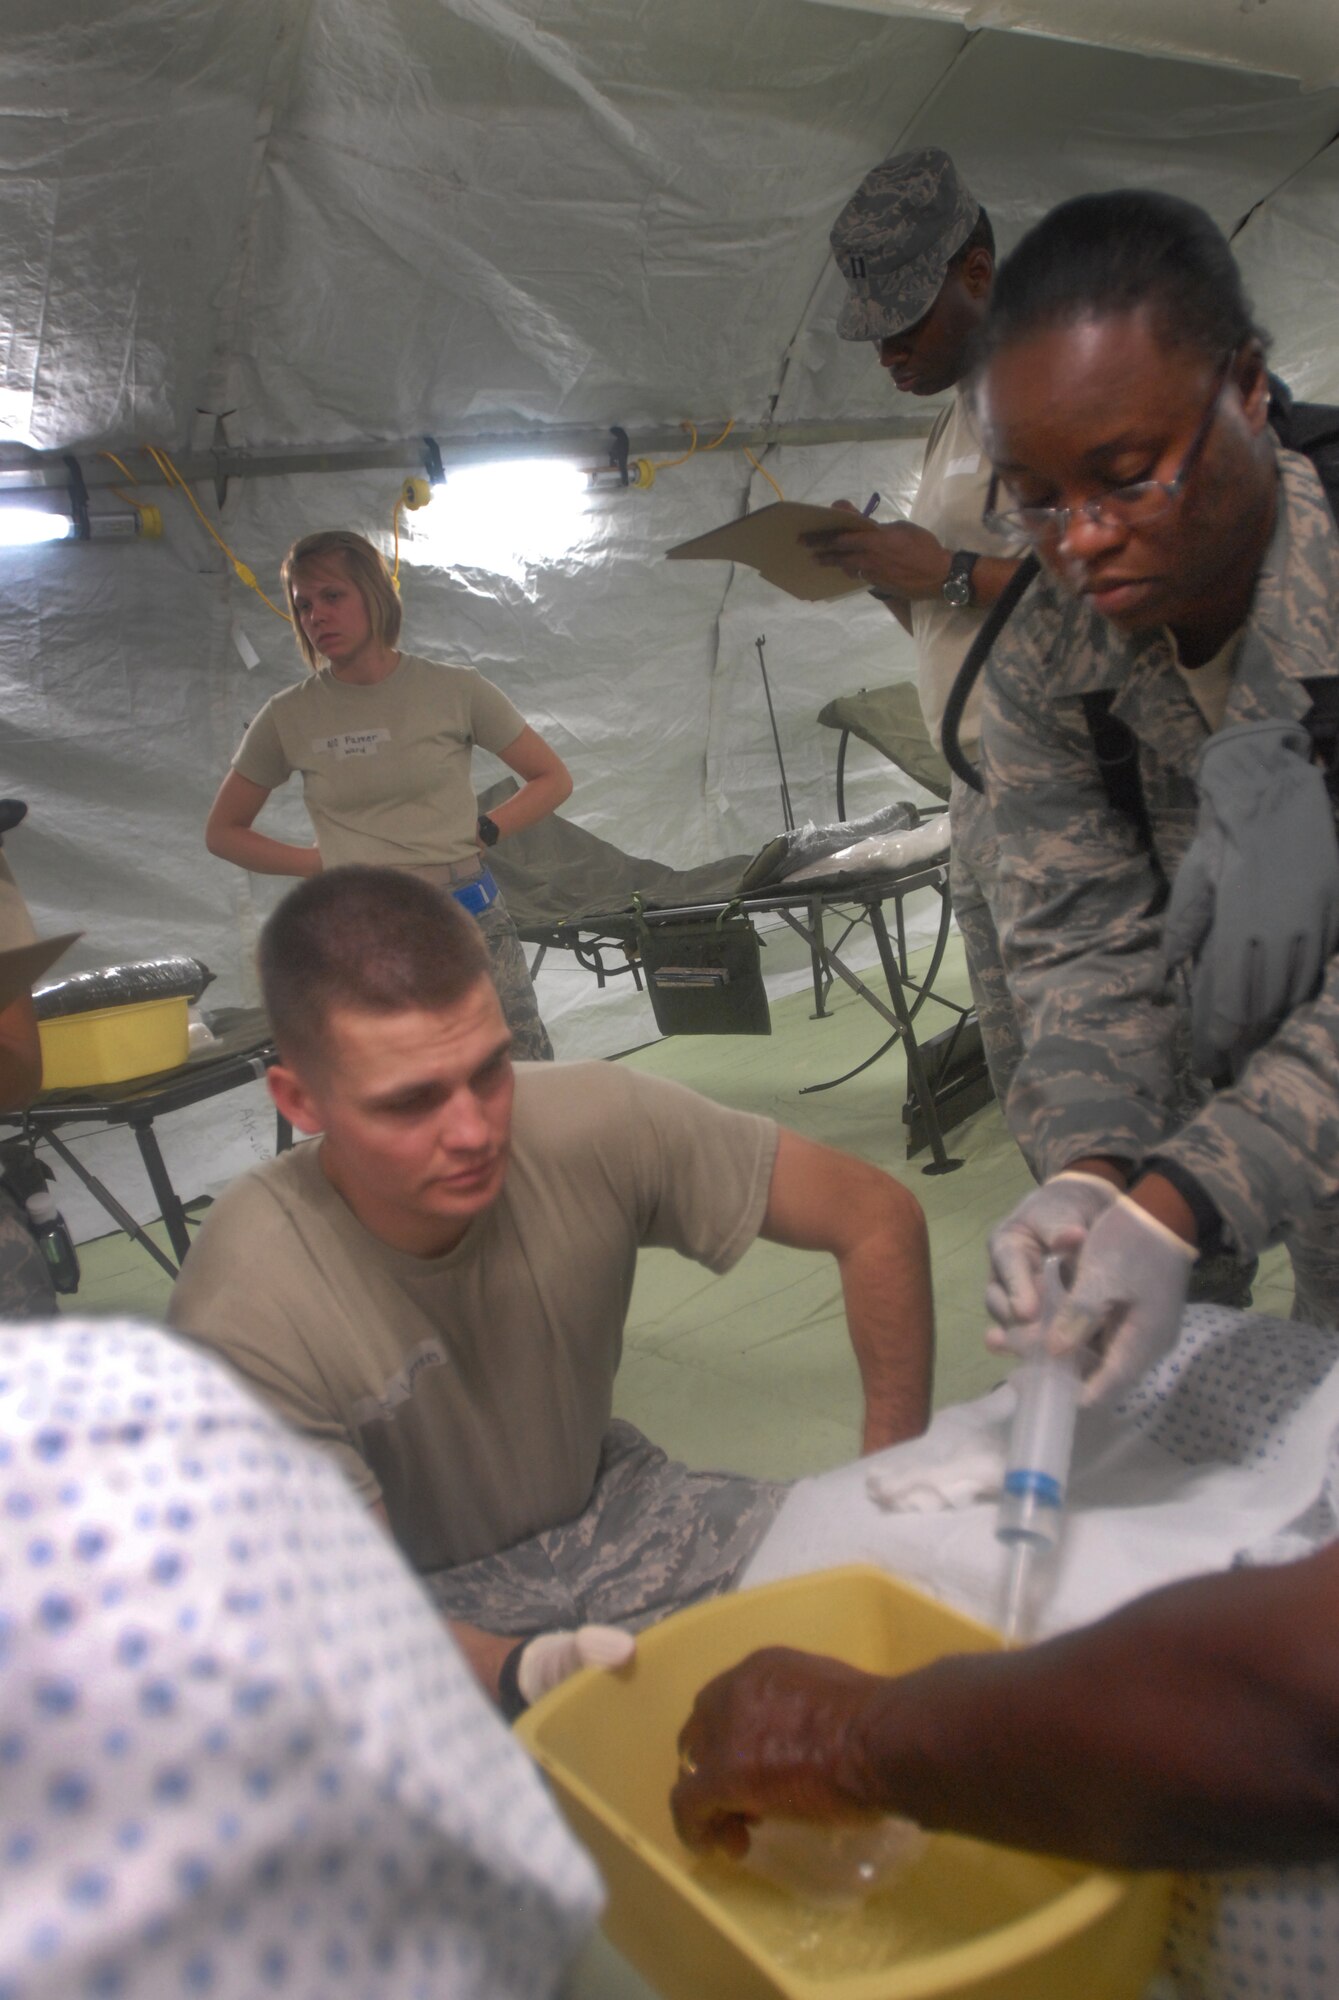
x: 504, y: 517
x: 23, y: 527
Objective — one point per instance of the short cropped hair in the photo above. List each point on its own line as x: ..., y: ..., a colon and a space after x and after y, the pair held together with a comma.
x: 375, y: 940
x: 366, y: 570
x: 1106, y: 254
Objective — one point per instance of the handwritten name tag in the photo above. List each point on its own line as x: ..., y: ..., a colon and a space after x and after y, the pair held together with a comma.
x: 354, y: 743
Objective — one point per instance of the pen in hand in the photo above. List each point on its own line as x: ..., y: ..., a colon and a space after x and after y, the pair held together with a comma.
x: 870, y: 505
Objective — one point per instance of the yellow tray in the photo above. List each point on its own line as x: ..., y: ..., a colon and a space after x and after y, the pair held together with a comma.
x: 114, y: 1044
x: 976, y: 1922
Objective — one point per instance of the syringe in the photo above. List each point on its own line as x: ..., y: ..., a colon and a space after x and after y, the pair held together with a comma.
x: 1040, y: 1447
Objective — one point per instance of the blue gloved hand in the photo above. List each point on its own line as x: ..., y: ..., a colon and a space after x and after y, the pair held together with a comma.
x: 1126, y: 1299
x: 1055, y: 1216
x: 1255, y: 903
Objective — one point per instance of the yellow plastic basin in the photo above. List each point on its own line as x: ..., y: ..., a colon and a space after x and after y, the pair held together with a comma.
x: 114, y: 1044
x: 967, y: 1920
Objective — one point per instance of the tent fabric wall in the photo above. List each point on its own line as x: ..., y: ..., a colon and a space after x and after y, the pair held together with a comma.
x: 341, y: 221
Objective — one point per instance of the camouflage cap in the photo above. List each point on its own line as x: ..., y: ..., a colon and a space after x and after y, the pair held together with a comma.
x: 894, y: 240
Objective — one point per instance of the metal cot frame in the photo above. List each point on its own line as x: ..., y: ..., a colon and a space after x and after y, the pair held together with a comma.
x: 805, y: 908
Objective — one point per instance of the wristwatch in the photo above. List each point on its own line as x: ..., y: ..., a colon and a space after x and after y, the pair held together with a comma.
x: 488, y: 830
x: 956, y: 589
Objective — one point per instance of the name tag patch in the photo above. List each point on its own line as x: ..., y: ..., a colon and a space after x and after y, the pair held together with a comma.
x: 963, y: 468
x: 353, y: 743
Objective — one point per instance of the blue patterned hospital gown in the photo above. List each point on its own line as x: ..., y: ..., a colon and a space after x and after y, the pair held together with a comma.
x: 1232, y: 1382
x: 239, y: 1755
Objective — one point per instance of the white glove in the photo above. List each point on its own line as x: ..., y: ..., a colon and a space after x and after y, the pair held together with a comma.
x: 550, y: 1658
x: 1055, y: 1216
x: 1126, y: 1300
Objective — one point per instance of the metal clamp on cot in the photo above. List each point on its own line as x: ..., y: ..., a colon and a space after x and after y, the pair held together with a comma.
x: 477, y: 896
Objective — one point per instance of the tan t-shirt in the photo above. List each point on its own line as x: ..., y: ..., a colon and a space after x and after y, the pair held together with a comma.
x: 955, y: 480
x: 1211, y: 684
x: 470, y: 1392
x: 385, y: 769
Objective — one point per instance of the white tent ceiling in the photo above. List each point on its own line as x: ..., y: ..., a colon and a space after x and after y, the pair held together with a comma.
x: 334, y: 222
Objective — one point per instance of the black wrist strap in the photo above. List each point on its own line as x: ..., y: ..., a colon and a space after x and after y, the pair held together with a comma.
x: 1208, y: 1222
x: 509, y: 1697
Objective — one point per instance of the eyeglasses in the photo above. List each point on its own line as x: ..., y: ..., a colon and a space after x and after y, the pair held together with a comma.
x: 1123, y: 506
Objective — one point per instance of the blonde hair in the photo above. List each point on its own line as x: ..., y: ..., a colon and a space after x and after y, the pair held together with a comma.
x: 366, y: 570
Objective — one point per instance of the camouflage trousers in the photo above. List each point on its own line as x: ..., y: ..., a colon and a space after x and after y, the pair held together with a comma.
x: 654, y: 1537
x: 511, y: 974
x: 1313, y: 1247
x: 26, y: 1291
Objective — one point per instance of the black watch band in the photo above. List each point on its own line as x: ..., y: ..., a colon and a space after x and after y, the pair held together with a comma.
x: 956, y: 588
x: 1208, y: 1220
x: 488, y: 830
x: 509, y: 1697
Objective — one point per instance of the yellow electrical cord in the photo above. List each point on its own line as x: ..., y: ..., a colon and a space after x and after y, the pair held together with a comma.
x: 150, y: 517
x: 240, y: 570
x: 415, y: 493
x: 765, y: 473
x: 664, y: 464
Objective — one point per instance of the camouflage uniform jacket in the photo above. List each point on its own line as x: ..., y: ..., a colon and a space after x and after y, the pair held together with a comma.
x: 1081, y: 947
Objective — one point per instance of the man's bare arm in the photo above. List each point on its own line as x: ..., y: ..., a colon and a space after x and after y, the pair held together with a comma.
x: 821, y: 1199
x: 1195, y: 1728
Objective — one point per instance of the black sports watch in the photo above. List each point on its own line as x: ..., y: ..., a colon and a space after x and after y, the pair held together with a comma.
x: 488, y: 830
x: 956, y: 589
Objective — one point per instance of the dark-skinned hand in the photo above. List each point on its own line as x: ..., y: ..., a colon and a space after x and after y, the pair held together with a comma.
x: 776, y: 1735
x: 897, y: 556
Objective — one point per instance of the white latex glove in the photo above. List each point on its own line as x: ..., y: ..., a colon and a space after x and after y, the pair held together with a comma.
x: 1056, y: 1216
x: 551, y: 1657
x: 1126, y: 1300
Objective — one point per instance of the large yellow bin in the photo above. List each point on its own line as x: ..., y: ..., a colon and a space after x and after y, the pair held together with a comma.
x: 114, y: 1044
x: 976, y: 1922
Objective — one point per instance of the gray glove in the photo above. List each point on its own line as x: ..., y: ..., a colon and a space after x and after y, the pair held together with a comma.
x: 1255, y: 903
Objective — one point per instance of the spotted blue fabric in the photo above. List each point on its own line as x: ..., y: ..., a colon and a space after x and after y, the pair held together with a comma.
x: 239, y: 1754
x: 1226, y: 1393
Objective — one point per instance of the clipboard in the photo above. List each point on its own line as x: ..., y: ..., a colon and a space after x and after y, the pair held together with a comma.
x: 769, y: 541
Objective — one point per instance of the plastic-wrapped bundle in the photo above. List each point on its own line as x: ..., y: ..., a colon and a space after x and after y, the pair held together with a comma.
x: 118, y: 985
x: 807, y: 844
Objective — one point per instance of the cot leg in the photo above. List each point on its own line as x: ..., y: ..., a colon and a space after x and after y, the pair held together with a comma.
x: 107, y: 1200
x: 818, y: 961
x: 169, y: 1202
x: 940, y: 1163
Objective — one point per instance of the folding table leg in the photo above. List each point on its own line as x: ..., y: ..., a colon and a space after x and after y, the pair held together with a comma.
x: 169, y: 1202
x: 920, y: 1083
x: 107, y: 1200
x: 818, y: 960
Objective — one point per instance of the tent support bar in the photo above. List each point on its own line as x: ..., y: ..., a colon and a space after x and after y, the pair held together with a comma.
x: 586, y: 444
